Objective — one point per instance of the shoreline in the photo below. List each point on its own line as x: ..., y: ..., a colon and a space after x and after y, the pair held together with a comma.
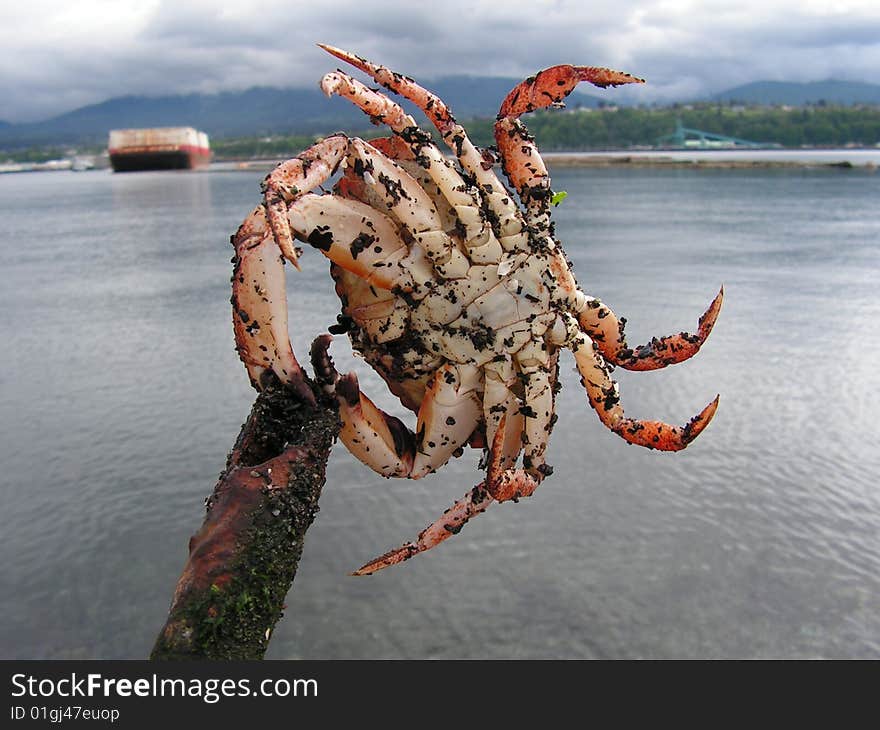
x: 567, y: 159
x: 557, y: 160
x: 602, y: 159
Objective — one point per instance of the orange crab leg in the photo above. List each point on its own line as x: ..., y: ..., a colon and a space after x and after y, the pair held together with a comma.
x: 522, y: 164
x: 506, y: 484
x: 394, y: 148
x: 528, y: 174
x: 406, y: 202
x: 553, y: 84
x: 502, y: 411
x: 473, y: 503
x: 500, y: 485
x: 520, y: 159
x: 385, y: 444
x: 606, y: 330
x: 604, y: 397
x: 433, y: 106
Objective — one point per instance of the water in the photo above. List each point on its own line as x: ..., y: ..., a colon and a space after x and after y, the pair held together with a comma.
x: 120, y: 393
x: 854, y: 156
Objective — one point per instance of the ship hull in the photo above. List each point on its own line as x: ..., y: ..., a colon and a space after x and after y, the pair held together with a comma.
x: 159, y: 160
x: 160, y: 148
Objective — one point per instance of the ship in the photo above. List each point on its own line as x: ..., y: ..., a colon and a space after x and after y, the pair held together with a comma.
x: 159, y: 148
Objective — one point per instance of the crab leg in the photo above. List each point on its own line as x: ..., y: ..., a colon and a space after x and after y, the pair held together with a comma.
x: 453, y: 519
x: 379, y: 440
x: 509, y: 225
x: 462, y: 198
x: 522, y: 163
x: 603, y: 394
x: 299, y: 175
x: 381, y: 109
x: 500, y: 486
x: 527, y: 173
x: 407, y: 203
x: 606, y: 330
x: 352, y: 186
x: 394, y: 148
x: 504, y: 432
x: 259, y: 305
x: 502, y: 411
x: 533, y: 362
x: 448, y: 415
x: 506, y: 484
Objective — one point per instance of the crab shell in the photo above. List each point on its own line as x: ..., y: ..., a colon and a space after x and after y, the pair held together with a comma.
x: 458, y: 296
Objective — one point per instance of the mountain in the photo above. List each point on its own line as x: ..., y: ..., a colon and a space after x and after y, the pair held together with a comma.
x: 256, y: 111
x: 798, y: 94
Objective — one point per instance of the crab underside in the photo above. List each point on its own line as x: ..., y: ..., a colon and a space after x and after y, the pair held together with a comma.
x: 458, y: 296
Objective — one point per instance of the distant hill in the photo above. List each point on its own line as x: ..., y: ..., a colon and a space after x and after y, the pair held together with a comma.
x: 798, y: 94
x: 256, y: 111
x: 266, y: 110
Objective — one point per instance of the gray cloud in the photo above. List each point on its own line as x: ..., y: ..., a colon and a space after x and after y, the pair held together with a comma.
x: 54, y: 57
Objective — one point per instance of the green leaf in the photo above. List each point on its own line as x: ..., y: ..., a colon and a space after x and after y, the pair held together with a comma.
x: 558, y: 197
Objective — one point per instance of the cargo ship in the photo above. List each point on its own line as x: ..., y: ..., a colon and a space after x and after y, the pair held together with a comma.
x: 160, y: 148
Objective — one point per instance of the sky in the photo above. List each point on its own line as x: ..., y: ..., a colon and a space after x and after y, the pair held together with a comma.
x: 57, y: 56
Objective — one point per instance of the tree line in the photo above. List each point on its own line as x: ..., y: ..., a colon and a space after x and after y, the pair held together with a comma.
x: 596, y: 129
x: 626, y: 127
x: 819, y: 126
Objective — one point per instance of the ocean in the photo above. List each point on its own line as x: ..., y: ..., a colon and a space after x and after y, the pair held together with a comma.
x: 121, y: 393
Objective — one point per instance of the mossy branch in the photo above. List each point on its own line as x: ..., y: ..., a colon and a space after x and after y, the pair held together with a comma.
x: 243, y: 560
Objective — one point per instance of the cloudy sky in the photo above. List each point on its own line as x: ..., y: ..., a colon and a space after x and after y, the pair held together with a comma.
x: 56, y: 56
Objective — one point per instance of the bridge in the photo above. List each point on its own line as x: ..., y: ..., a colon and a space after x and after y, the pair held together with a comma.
x: 687, y: 138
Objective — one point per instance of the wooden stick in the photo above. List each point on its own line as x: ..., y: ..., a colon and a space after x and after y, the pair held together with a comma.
x: 243, y: 560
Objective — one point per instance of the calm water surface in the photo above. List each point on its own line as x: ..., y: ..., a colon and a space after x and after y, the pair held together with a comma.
x: 121, y: 392
x: 858, y: 157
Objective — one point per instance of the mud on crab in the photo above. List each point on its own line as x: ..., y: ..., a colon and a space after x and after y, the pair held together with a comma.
x: 460, y: 298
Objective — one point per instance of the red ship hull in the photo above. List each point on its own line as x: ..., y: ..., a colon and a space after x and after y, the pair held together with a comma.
x: 180, y: 159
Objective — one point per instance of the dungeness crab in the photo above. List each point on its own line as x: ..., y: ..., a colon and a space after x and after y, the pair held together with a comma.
x: 457, y: 296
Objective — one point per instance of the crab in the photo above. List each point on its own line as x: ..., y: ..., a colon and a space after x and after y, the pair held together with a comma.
x: 459, y: 297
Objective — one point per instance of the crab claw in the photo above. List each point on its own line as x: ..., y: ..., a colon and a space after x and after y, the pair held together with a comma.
x: 662, y: 436
x: 521, y: 161
x: 606, y: 330
x: 553, y: 84
x: 674, y: 348
x: 603, y: 394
